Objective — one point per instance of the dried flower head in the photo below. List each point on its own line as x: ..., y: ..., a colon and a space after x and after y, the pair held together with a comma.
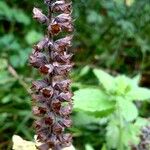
x: 52, y: 98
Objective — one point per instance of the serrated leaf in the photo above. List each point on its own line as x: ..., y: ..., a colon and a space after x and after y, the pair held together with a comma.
x: 139, y: 93
x: 141, y: 122
x: 130, y: 135
x: 92, y: 101
x: 104, y: 78
x: 128, y: 110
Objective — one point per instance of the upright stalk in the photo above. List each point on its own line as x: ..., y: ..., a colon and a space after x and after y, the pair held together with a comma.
x: 52, y: 97
x: 120, y: 127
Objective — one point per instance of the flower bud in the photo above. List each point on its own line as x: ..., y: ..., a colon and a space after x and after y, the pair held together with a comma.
x: 41, y: 45
x: 39, y: 16
x: 61, y: 6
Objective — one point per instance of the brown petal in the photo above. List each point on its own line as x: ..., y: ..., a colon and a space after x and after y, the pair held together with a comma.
x: 62, y: 85
x: 65, y: 96
x: 61, y: 57
x: 65, y: 139
x: 67, y: 26
x: 62, y: 44
x: 47, y: 92
x: 56, y: 105
x: 37, y: 59
x: 38, y: 124
x: 57, y: 128
x: 49, y: 120
x: 38, y: 85
x: 63, y: 18
x: 52, y: 141
x: 44, y: 146
x: 61, y: 6
x: 54, y: 28
x: 61, y: 69
x: 42, y: 44
x: 38, y: 15
x: 42, y: 137
x: 46, y: 69
x: 66, y: 110
x: 66, y: 122
x: 39, y: 110
x: 38, y: 98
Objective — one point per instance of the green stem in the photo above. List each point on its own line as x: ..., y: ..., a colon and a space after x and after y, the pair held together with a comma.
x: 120, y: 125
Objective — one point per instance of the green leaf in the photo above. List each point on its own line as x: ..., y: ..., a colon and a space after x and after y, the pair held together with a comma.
x: 141, y: 122
x: 33, y: 37
x: 6, y: 99
x: 104, y: 78
x: 104, y: 147
x: 15, y: 61
x: 128, y: 110
x: 84, y: 71
x: 88, y: 147
x: 139, y: 93
x: 130, y: 135
x: 83, y: 119
x: 94, y: 17
x: 122, y: 85
x: 4, y: 64
x: 20, y: 16
x: 136, y: 79
x: 92, y: 101
x: 5, y: 11
x: 112, y: 135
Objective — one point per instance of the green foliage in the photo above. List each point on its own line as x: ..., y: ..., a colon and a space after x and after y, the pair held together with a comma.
x: 13, y: 14
x: 92, y: 101
x: 112, y: 34
x: 114, y: 93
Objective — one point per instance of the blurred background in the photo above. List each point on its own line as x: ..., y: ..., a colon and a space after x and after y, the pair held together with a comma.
x: 113, y: 35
